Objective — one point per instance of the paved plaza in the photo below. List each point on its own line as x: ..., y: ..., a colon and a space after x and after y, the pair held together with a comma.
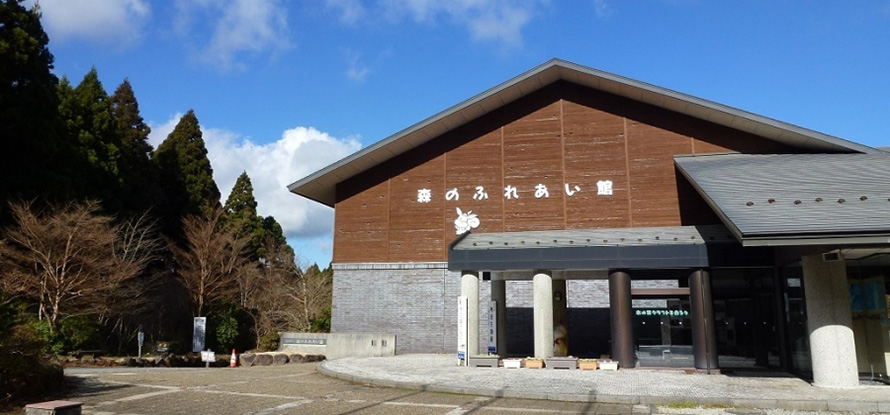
x: 431, y: 384
x: 667, y: 388
x: 282, y: 390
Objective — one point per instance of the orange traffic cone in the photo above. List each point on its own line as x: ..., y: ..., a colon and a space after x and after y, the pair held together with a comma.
x: 234, y: 361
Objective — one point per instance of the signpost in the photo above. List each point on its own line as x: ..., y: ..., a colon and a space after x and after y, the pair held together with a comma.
x: 493, y: 327
x: 462, y: 329
x: 207, y: 357
x: 198, y: 334
x: 141, y: 339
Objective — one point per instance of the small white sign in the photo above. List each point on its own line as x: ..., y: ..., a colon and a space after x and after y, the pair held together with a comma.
x: 493, y: 327
x: 462, y: 327
x: 208, y: 356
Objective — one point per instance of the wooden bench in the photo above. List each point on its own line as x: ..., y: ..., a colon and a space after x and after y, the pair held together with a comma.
x: 54, y: 408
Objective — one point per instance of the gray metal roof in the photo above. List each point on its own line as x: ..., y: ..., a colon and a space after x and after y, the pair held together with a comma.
x: 672, y: 235
x: 321, y: 185
x: 598, y: 249
x: 796, y: 199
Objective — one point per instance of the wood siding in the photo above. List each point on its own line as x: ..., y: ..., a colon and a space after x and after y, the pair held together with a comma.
x: 564, y: 137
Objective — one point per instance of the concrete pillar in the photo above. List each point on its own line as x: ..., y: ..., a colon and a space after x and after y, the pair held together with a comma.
x: 704, y: 335
x: 469, y: 287
x: 542, y: 286
x: 560, y: 314
x: 499, y: 295
x: 622, y: 319
x: 830, y: 323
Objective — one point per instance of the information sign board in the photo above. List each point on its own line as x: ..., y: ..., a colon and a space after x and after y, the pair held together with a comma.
x: 462, y: 328
x: 493, y: 327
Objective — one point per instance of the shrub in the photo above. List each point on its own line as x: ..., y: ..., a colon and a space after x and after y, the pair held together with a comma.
x: 229, y: 327
x: 268, y: 342
x: 81, y: 333
x: 26, y: 372
x: 72, y: 334
x: 322, y: 323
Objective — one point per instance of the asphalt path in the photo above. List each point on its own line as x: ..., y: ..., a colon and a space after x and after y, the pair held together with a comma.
x: 286, y: 389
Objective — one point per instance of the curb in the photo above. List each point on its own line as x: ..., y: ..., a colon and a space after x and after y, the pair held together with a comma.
x: 648, y: 401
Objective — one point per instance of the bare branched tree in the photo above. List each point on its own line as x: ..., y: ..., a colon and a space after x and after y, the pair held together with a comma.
x: 137, y: 245
x: 272, y: 301
x: 282, y: 297
x: 71, y: 260
x: 211, y: 262
x: 315, y: 291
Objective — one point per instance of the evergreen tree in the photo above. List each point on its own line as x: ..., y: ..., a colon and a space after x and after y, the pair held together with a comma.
x: 275, y: 235
x: 91, y: 128
x: 139, y: 176
x: 30, y: 148
x: 185, y: 174
x: 241, y: 216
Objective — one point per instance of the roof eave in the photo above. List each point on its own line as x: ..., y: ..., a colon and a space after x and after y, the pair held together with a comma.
x: 810, y: 240
x: 326, y: 179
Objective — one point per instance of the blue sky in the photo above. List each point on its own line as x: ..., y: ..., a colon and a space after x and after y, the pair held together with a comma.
x: 283, y: 88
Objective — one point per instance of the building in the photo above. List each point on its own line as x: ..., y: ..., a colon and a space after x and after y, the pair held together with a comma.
x: 656, y: 227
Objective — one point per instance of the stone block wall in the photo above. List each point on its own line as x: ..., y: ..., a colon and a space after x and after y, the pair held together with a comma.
x: 418, y: 303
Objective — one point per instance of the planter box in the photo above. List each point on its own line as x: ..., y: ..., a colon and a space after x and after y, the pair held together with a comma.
x: 534, y: 364
x: 512, y: 363
x: 484, y: 361
x: 562, y: 363
x: 587, y: 364
x: 608, y: 365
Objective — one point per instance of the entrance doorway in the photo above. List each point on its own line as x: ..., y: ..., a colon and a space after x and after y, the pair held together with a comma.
x: 745, y: 318
x: 662, y: 318
x: 664, y: 333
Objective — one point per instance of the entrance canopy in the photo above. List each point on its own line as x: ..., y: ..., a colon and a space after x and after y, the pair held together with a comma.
x: 591, y: 249
x: 796, y: 199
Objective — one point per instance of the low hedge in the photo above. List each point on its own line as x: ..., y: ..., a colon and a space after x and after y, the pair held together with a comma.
x: 27, y: 373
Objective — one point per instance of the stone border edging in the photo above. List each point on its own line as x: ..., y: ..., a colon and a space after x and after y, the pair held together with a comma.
x: 791, y: 405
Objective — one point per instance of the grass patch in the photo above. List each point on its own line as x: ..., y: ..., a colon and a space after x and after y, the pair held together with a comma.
x: 682, y: 405
x: 693, y: 405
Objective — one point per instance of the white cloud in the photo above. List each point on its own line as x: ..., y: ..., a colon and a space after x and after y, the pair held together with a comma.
x: 117, y: 23
x: 299, y: 152
x: 351, y: 11
x: 159, y: 132
x: 238, y: 28
x: 602, y: 9
x: 356, y: 69
x: 503, y: 24
x: 486, y: 20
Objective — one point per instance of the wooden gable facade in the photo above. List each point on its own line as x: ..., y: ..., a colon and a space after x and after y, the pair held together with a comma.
x: 565, y: 137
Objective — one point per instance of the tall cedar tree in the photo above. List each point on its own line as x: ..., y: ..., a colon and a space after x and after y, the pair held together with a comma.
x: 90, y: 126
x: 241, y: 216
x: 185, y: 175
x: 139, y: 176
x: 32, y: 154
x: 275, y: 239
